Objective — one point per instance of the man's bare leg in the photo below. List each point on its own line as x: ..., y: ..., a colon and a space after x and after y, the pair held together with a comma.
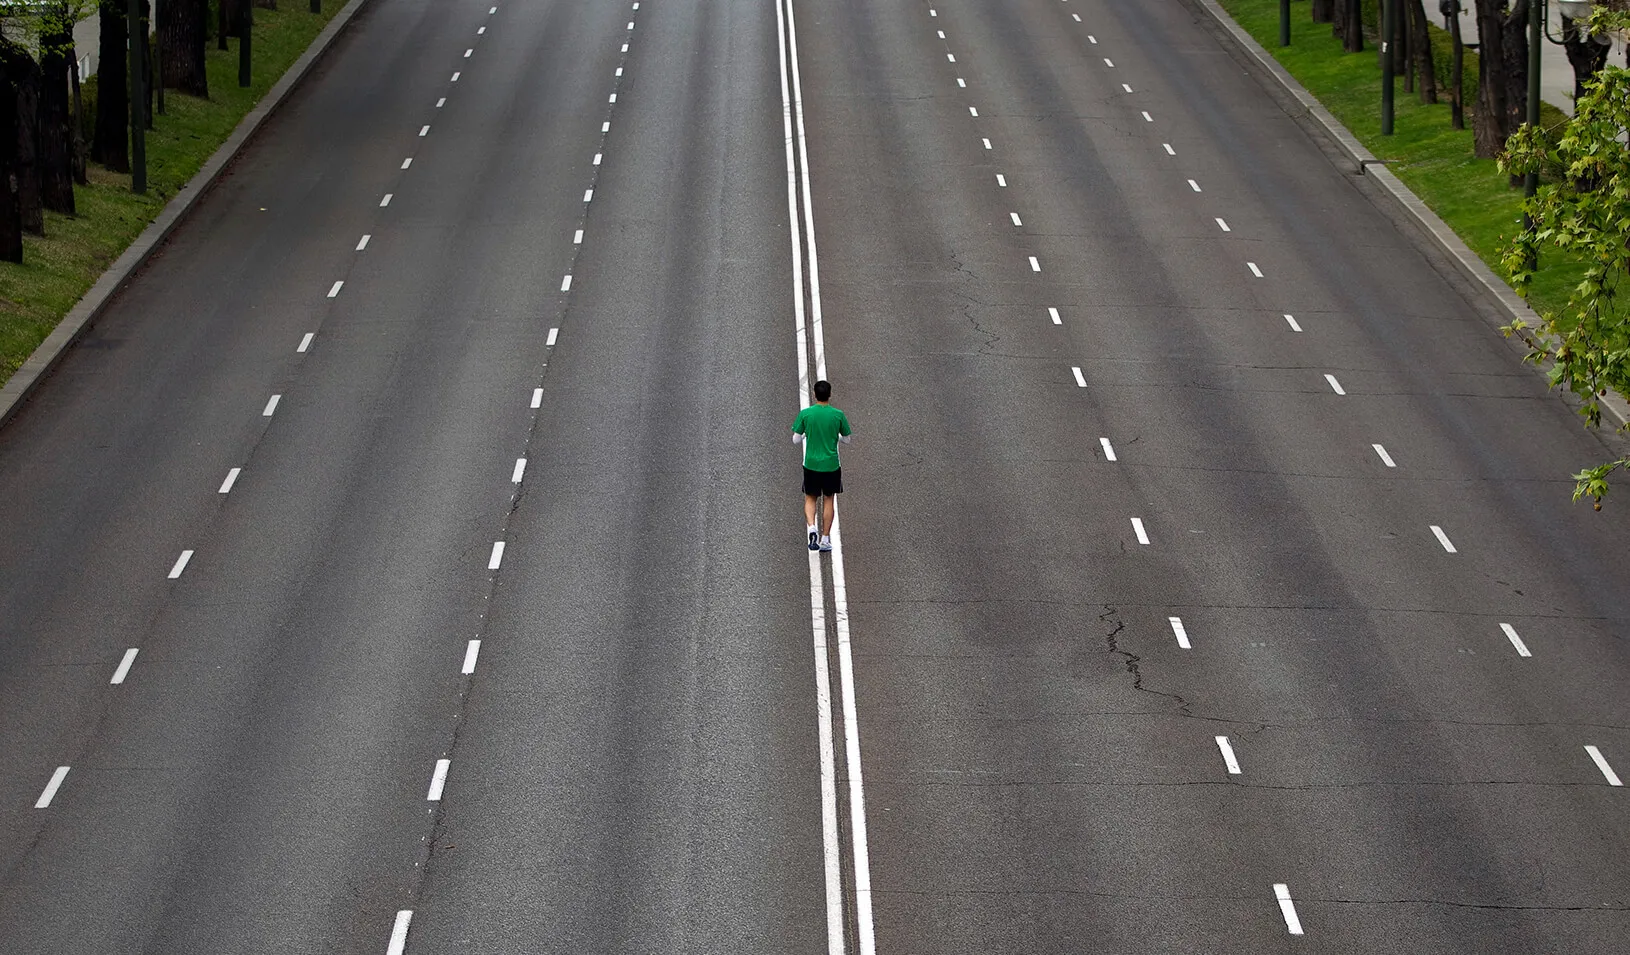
x: 831, y: 510
x: 809, y: 510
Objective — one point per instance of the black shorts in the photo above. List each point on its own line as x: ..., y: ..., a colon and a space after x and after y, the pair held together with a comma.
x: 817, y: 483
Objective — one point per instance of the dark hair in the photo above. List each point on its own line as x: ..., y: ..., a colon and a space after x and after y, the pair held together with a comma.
x: 823, y: 390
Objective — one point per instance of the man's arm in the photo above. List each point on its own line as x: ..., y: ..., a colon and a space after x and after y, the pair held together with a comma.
x: 845, y: 433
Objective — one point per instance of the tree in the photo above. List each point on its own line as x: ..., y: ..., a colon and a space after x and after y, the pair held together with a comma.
x: 183, y: 31
x: 56, y: 154
x: 1349, y: 25
x: 11, y: 205
x: 1585, y: 54
x: 1490, y: 120
x: 1514, y: 68
x: 1323, y: 11
x: 1420, y: 43
x: 1585, y: 216
x: 26, y: 76
x: 111, y: 146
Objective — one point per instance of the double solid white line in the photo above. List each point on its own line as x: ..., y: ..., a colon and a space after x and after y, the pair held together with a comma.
x: 811, y: 339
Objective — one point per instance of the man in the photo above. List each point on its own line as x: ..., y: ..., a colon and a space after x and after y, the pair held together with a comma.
x: 820, y: 427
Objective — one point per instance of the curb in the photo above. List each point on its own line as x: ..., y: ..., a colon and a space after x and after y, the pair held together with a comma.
x: 37, y: 367
x: 1367, y: 165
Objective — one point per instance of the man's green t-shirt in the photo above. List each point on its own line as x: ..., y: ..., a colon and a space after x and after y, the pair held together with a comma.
x: 820, y: 425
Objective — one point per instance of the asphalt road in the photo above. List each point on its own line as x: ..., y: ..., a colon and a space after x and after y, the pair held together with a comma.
x: 465, y: 399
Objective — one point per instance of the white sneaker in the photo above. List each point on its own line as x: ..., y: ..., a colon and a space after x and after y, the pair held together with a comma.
x: 826, y: 543
x: 814, y: 539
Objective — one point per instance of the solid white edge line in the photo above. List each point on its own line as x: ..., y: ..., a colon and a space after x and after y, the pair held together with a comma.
x: 497, y: 559
x: 180, y: 564
x: 438, y: 780
x: 1335, y: 385
x: 1229, y: 760
x: 537, y: 397
x: 864, y: 931
x: 519, y: 472
x: 1516, y: 641
x: 124, y: 666
x: 1180, y: 632
x: 823, y: 689
x: 1053, y: 314
x: 1137, y: 528
x: 305, y: 342
x: 271, y: 406
x: 471, y: 651
x: 554, y: 335
x: 1601, y: 764
x: 399, y: 933
x: 1080, y: 379
x: 1443, y: 539
x: 1385, y: 457
x: 1109, y: 449
x: 1287, y: 908
x: 231, y: 479
x: 50, y: 793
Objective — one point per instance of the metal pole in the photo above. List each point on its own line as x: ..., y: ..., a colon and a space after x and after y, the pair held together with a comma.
x: 245, y: 27
x: 158, y: 57
x: 316, y: 6
x: 1389, y: 29
x: 138, y: 100
x: 1284, y: 22
x: 1536, y: 20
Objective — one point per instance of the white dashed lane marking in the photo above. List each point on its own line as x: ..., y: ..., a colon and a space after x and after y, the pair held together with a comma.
x: 497, y: 559
x: 1053, y: 314
x: 554, y: 334
x: 424, y: 130
x: 1516, y: 641
x: 455, y: 77
x: 1601, y: 764
x: 1229, y: 759
x: 334, y: 290
x: 1180, y: 632
x: 231, y: 479
x: 1287, y: 908
x: 1035, y: 266
x: 399, y: 933
x: 1137, y: 528
x: 1291, y: 319
x: 180, y: 564
x: 1335, y: 385
x: 407, y: 162
x: 271, y: 406
x: 124, y: 667
x: 363, y: 243
x: 50, y: 793
x: 1194, y: 185
x: 1386, y: 458
x: 471, y: 651
x: 1169, y: 150
x: 1109, y: 449
x: 387, y: 200
x: 1147, y: 118
x: 1001, y: 180
x: 1223, y: 225
x: 1080, y: 379
x: 566, y: 283
x: 1015, y: 217
x: 438, y: 780
x: 1443, y: 539
x: 1254, y: 270
x: 986, y: 142
x: 537, y: 397
x: 519, y: 472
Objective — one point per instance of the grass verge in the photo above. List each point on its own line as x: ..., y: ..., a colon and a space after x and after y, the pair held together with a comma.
x: 59, y: 268
x: 1432, y: 158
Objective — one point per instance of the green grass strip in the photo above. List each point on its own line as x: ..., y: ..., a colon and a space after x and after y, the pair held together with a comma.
x: 58, y: 269
x: 1433, y: 159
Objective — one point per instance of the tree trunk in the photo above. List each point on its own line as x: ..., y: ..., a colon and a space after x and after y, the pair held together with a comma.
x: 78, y: 127
x: 56, y: 143
x: 1421, y: 42
x: 1324, y: 11
x: 266, y: 4
x: 146, y: 35
x: 183, y: 28
x: 1338, y: 17
x: 1514, y: 50
x: 1352, y: 34
x: 1585, y: 54
x: 11, y: 211
x: 223, y: 23
x: 111, y: 146
x: 1404, y: 58
x: 1489, y: 119
x: 28, y: 145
